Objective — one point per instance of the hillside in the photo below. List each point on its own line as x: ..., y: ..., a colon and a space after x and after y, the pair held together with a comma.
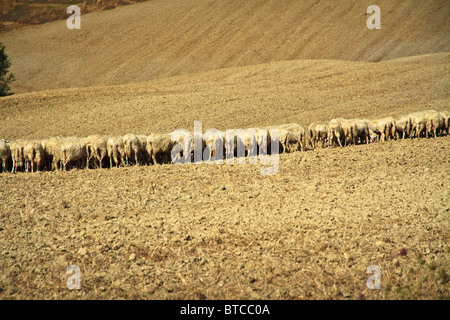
x: 162, y: 38
x: 18, y: 13
x: 202, y: 231
x: 242, y: 97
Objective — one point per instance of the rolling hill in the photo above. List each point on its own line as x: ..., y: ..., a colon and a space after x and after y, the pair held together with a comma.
x: 163, y: 38
x: 226, y: 231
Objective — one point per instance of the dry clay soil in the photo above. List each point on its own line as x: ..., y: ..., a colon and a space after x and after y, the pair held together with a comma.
x: 225, y: 231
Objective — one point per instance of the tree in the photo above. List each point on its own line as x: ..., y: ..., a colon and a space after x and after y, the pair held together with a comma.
x: 6, y: 77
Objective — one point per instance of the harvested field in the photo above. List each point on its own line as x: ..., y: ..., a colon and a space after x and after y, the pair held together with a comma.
x: 227, y: 232
x: 204, y: 231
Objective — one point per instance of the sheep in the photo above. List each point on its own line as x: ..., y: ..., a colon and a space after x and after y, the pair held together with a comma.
x: 197, y: 137
x: 318, y: 131
x: 373, y: 136
x: 5, y: 153
x: 28, y: 155
x: 16, y: 148
x: 403, y: 126
x: 96, y: 148
x: 142, y: 148
x: 131, y: 148
x: 385, y: 128
x: 282, y: 137
x: 212, y: 140
x: 115, y: 148
x: 34, y: 155
x: 295, y: 139
x: 263, y: 140
x: 446, y: 116
x: 250, y: 141
x: 360, y: 132
x: 237, y: 143
x: 335, y: 132
x: 160, y: 146
x: 390, y: 127
x: 378, y: 127
x: 183, y: 146
x: 52, y: 149
x: 73, y: 150
x: 246, y: 143
x: 435, y: 123
x: 418, y: 123
x: 348, y: 128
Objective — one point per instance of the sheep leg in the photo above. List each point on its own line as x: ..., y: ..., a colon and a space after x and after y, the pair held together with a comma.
x: 339, y: 140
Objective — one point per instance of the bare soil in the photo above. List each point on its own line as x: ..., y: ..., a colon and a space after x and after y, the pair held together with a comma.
x: 225, y: 231
x: 163, y: 38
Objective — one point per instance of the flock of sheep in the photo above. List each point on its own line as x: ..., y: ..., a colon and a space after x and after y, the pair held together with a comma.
x: 95, y: 151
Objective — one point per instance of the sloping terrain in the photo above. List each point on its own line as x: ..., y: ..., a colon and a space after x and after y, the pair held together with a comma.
x: 280, y: 92
x: 164, y: 38
x: 225, y: 231
x: 18, y: 13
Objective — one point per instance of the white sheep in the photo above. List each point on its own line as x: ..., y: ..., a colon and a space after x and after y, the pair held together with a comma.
x: 73, y: 150
x: 373, y: 136
x: 16, y: 148
x: 282, y: 137
x: 34, y: 154
x: 116, y: 151
x: 295, y: 139
x: 361, y: 131
x: 379, y: 127
x: 159, y: 146
x: 5, y: 153
x: 348, y: 128
x: 142, y: 148
x: 446, y: 116
x: 242, y: 143
x: 435, y: 123
x: 263, y: 140
x: 131, y: 148
x: 318, y: 131
x: 335, y: 132
x: 183, y: 147
x: 390, y: 127
x: 402, y: 126
x: 96, y: 148
x: 214, y: 145
x: 418, y: 123
x: 52, y: 149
